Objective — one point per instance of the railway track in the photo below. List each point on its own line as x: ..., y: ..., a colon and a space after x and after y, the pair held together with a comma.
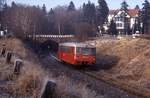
x: 132, y: 89
x: 135, y: 90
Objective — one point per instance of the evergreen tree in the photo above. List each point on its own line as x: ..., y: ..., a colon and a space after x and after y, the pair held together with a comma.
x: 2, y: 2
x: 145, y: 15
x: 136, y: 26
x: 51, y: 21
x: 128, y: 30
x: 71, y: 6
x: 89, y: 12
x: 1, y: 7
x: 112, y: 28
x: 13, y: 4
x: 5, y: 6
x: 51, y: 12
x: 44, y: 9
x: 5, y: 14
x: 137, y: 7
x: 102, y: 12
x: 124, y: 6
x: 83, y: 12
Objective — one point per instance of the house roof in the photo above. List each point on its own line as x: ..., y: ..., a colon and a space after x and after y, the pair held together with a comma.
x: 131, y: 12
x: 112, y: 12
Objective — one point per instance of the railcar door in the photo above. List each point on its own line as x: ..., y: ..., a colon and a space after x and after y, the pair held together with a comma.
x: 60, y: 52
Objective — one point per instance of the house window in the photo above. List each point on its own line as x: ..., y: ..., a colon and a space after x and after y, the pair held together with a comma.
x: 117, y: 19
x: 119, y: 25
x: 121, y: 19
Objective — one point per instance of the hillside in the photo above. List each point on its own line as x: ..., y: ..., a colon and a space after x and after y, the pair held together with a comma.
x: 128, y: 60
x: 19, y: 85
x: 125, y: 60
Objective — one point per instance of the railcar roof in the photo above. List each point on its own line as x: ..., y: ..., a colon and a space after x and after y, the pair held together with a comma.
x: 76, y: 44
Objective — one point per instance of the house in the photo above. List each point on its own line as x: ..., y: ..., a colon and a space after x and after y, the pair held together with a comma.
x: 125, y: 21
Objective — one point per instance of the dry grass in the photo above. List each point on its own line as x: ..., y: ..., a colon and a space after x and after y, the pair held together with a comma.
x: 5, y: 70
x: 68, y: 88
x: 133, y: 65
x: 30, y: 80
x: 15, y: 45
x: 29, y: 83
x: 18, y: 48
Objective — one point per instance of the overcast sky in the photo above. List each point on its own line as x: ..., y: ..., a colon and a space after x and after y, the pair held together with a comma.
x: 113, y: 4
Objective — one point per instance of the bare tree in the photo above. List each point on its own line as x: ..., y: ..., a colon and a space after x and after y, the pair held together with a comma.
x: 60, y: 18
x: 66, y: 20
x: 2, y: 3
x: 83, y: 31
x: 24, y: 20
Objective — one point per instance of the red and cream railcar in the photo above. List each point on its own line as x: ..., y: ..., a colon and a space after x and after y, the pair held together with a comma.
x: 77, y: 53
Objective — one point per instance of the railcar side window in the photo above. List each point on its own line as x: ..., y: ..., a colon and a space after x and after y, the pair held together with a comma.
x: 79, y: 50
x: 86, y: 51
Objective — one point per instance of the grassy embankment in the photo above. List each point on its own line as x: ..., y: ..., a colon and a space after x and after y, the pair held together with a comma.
x: 126, y: 60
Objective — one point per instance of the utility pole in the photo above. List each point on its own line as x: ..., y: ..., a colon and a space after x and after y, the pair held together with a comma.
x: 59, y: 29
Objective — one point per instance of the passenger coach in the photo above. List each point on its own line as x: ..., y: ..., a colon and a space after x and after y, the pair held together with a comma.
x: 77, y: 53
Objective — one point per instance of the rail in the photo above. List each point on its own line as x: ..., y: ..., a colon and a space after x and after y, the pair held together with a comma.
x: 141, y: 92
x: 132, y: 89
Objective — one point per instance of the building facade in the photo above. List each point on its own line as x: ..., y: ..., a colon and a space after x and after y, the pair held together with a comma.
x: 125, y: 21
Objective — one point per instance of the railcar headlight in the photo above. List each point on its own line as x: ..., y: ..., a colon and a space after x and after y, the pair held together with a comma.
x: 94, y: 59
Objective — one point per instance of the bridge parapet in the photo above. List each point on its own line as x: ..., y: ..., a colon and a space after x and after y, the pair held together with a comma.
x: 56, y: 38
x: 51, y: 36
